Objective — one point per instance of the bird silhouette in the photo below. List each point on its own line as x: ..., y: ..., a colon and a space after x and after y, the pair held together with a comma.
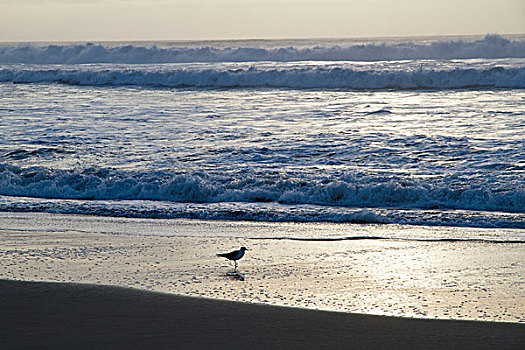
x: 235, y: 255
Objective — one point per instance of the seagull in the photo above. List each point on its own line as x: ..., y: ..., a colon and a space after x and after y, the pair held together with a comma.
x: 235, y: 255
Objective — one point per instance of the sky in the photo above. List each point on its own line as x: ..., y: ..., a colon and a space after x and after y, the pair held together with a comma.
x: 111, y: 20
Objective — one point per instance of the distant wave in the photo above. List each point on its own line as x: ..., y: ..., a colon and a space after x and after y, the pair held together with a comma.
x: 203, y: 187
x: 492, y: 46
x: 296, y: 76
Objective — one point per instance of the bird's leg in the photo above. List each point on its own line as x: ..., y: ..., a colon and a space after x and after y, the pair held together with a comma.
x: 235, y: 270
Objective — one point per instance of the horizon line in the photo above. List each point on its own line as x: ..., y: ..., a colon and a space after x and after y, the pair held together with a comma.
x: 374, y: 38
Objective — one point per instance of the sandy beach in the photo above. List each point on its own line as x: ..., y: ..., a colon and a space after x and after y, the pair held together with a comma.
x: 446, y: 280
x: 432, y: 285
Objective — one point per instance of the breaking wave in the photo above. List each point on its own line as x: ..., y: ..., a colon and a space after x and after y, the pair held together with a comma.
x: 433, y: 76
x: 203, y: 187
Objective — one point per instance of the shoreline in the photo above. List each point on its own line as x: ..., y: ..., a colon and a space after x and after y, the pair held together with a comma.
x: 70, y: 315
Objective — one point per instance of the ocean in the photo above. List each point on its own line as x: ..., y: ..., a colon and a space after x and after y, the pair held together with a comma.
x: 411, y: 132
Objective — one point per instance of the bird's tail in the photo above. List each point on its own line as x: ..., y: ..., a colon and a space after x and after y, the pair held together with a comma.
x: 222, y: 255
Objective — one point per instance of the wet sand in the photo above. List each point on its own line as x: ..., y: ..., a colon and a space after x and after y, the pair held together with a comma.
x: 77, y: 316
x: 445, y: 280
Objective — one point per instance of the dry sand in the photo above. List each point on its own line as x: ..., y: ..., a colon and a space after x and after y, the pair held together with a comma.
x: 75, y: 316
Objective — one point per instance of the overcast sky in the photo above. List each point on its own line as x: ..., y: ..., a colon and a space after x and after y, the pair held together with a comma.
x: 96, y: 20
